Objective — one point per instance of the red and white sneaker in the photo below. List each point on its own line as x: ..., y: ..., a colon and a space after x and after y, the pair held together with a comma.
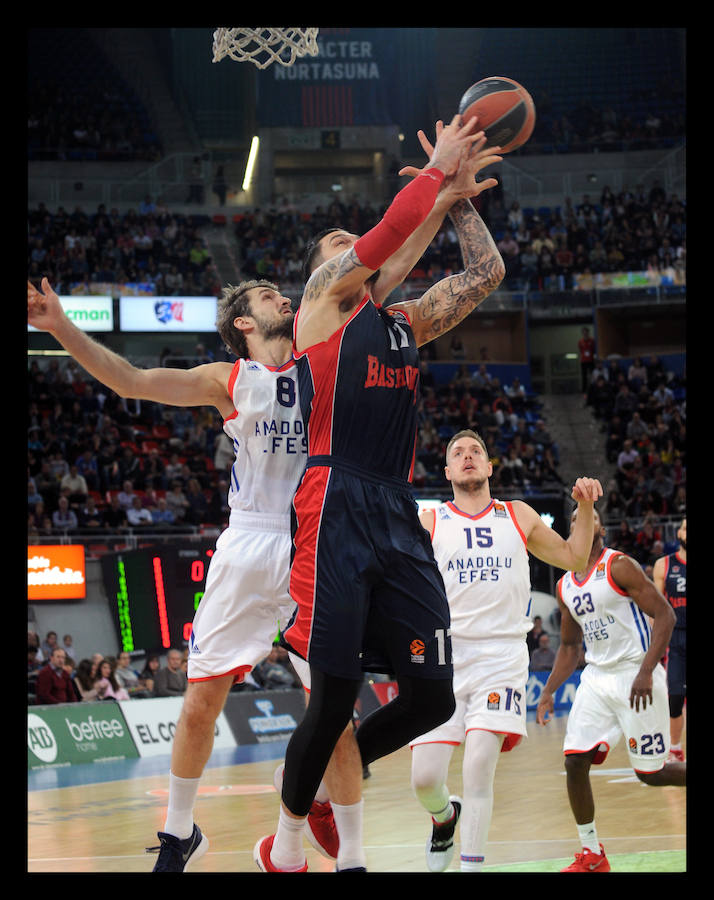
x: 676, y: 756
x: 320, y: 827
x: 261, y: 854
x: 587, y: 861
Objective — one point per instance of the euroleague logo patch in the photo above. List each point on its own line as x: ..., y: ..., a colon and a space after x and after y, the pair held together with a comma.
x: 494, y: 700
x: 416, y: 648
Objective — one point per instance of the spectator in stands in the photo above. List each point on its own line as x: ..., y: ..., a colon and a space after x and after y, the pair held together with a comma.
x: 645, y: 541
x: 115, y: 514
x: 197, y: 509
x: 127, y: 677
x: 627, y: 456
x: 84, y: 680
x: 543, y: 657
x: 49, y: 645
x: 126, y: 495
x: 137, y: 515
x: 53, y: 684
x: 615, y: 506
x: 64, y: 518
x: 106, y: 684
x: 535, y: 632
x: 90, y: 516
x: 637, y: 374
x: 148, y: 673
x: 161, y: 514
x: 33, y: 663
x: 177, y: 502
x: 624, y: 538
x: 170, y: 681
x: 275, y: 672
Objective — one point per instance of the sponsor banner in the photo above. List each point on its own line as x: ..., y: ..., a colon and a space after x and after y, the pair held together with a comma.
x: 564, y: 696
x: 71, y: 733
x: 361, y: 76
x: 56, y: 572
x: 260, y: 717
x: 87, y: 313
x: 167, y: 314
x: 587, y: 281
x: 114, y: 289
x: 152, y: 724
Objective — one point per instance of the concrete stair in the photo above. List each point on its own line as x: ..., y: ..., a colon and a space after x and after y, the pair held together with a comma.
x: 580, y: 441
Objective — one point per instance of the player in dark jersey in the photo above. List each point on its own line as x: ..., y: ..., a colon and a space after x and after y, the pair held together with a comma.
x: 670, y: 576
x: 363, y: 572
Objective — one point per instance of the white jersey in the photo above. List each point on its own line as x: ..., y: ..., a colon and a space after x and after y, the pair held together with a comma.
x: 484, y: 563
x: 615, y: 629
x: 268, y: 437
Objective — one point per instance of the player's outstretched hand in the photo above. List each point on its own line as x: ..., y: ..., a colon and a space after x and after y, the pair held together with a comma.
x: 475, y: 157
x: 586, y: 490
x: 43, y: 307
x: 452, y: 142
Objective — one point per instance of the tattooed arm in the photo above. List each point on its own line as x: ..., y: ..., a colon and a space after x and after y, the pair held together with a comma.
x: 346, y: 268
x: 452, y: 299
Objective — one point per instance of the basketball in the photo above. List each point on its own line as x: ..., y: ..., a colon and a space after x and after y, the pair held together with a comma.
x: 505, y: 111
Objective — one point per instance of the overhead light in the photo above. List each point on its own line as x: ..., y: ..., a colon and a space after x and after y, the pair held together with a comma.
x: 250, y: 165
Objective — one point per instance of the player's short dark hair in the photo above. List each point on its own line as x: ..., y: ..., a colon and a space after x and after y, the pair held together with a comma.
x: 311, y: 250
x: 467, y: 433
x: 235, y: 302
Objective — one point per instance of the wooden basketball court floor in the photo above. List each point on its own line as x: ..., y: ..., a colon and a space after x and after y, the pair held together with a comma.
x: 99, y: 818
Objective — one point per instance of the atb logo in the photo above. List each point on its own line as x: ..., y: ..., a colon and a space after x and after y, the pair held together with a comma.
x: 40, y: 739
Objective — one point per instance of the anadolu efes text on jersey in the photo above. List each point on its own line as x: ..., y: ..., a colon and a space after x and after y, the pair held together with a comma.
x: 614, y: 628
x: 268, y: 437
x: 484, y: 563
x: 358, y: 391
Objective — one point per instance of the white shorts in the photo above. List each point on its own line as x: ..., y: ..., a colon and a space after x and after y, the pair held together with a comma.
x: 246, y: 599
x: 601, y: 714
x: 490, y: 692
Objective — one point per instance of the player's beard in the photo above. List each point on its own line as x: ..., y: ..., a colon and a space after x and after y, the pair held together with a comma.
x: 683, y: 544
x: 276, y: 328
x: 470, y: 487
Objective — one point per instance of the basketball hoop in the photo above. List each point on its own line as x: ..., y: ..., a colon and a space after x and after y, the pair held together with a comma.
x: 263, y: 46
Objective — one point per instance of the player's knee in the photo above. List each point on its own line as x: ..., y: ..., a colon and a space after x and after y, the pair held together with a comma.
x: 577, y: 764
x: 676, y: 705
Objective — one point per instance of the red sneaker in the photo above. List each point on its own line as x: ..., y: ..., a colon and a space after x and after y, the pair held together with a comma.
x: 587, y: 861
x: 261, y: 854
x: 321, y: 831
x: 320, y: 828
x: 676, y: 756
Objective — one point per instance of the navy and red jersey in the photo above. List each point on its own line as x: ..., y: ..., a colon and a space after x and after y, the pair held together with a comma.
x: 675, y: 587
x: 358, y: 392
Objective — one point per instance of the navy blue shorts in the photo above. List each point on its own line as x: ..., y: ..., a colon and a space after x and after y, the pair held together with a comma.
x: 677, y: 664
x: 364, y: 578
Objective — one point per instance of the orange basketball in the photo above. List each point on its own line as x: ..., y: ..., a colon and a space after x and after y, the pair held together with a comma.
x: 505, y: 111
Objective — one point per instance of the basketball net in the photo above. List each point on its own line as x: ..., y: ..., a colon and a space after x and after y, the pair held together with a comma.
x: 263, y: 46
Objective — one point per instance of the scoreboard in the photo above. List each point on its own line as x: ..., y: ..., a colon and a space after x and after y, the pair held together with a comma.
x: 154, y: 593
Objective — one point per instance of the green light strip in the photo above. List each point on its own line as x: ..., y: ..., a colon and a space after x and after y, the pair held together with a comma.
x: 127, y: 639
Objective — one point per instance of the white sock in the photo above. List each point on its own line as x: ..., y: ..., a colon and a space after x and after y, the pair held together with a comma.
x: 676, y: 747
x: 288, y: 853
x: 182, y: 797
x: 588, y: 837
x: 471, y: 863
x: 348, y: 820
